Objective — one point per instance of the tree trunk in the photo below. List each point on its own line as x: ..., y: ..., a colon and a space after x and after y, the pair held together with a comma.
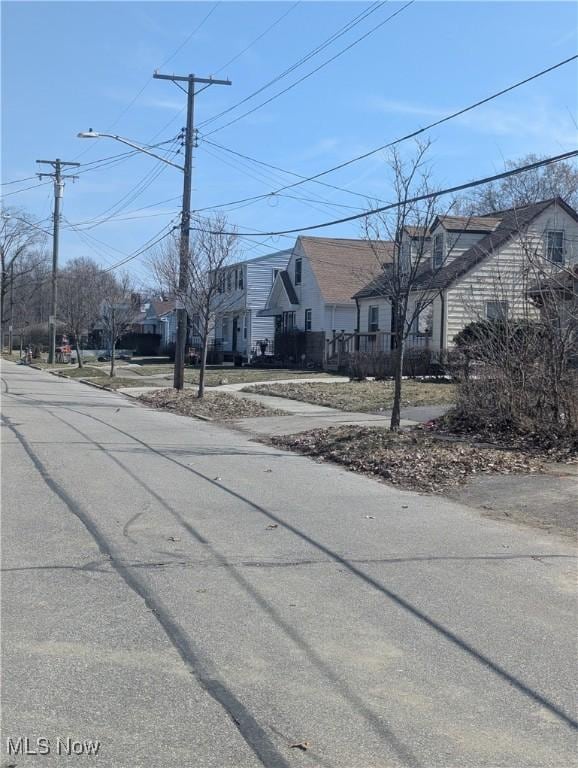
x: 398, y: 373
x: 203, y: 367
x: 79, y: 360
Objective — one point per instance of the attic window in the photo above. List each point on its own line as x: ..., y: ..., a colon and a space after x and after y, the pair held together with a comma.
x: 241, y: 279
x: 438, y: 251
x: 298, y: 265
x: 555, y: 245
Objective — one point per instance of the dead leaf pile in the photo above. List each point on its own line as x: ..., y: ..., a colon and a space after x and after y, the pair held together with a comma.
x: 409, y: 459
x: 547, y: 444
x: 220, y: 406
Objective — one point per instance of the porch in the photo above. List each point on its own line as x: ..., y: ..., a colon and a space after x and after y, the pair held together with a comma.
x: 342, y: 345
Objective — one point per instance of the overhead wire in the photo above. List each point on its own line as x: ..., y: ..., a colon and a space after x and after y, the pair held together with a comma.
x: 394, y: 142
x: 417, y: 198
x: 259, y: 37
x: 318, y: 49
x: 313, y: 71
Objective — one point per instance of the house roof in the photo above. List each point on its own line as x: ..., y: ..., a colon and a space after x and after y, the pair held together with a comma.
x: 163, y: 306
x: 510, y: 222
x: 342, y: 266
x: 563, y: 282
x: 415, y: 232
x: 467, y: 223
x: 288, y: 286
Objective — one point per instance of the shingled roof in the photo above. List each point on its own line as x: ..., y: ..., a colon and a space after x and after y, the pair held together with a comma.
x: 510, y: 222
x: 342, y: 266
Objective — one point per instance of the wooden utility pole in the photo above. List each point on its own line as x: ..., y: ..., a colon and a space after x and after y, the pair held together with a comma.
x: 58, y: 191
x: 191, y: 80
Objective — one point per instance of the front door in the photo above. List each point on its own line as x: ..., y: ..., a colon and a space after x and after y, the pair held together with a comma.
x: 235, y: 333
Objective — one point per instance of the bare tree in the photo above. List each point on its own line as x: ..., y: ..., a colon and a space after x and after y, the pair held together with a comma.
x: 20, y: 253
x: 555, y: 180
x: 212, y: 250
x: 117, y: 313
x: 408, y: 283
x: 84, y: 286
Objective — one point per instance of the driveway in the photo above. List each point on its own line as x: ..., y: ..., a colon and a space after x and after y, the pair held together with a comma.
x: 190, y: 598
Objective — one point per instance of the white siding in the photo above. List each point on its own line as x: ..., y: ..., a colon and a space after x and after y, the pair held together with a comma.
x: 259, y: 282
x: 244, y: 303
x: 506, y: 275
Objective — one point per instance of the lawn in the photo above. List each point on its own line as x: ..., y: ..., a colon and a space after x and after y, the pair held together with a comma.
x: 365, y: 396
x: 214, y: 377
x: 412, y: 460
x: 219, y: 406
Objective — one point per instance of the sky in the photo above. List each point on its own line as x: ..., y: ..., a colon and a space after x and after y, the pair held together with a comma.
x: 71, y: 66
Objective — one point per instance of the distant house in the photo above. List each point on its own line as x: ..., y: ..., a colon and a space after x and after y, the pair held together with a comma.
x: 244, y: 287
x: 160, y: 319
x: 476, y: 268
x: 311, y: 300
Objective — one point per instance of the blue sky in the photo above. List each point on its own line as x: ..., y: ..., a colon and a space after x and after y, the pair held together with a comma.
x: 70, y: 66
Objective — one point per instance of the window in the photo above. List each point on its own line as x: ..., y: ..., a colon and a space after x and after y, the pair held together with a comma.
x: 241, y: 279
x: 298, y: 265
x: 275, y: 273
x: 438, y: 251
x: 288, y: 321
x: 225, y: 328
x: 555, y: 246
x: 496, y: 310
x: 229, y: 281
x: 307, y: 319
x: 373, y: 319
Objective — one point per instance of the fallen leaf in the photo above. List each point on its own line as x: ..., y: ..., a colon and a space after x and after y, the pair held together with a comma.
x: 217, y: 478
x: 172, y: 538
x: 271, y: 526
x: 369, y: 517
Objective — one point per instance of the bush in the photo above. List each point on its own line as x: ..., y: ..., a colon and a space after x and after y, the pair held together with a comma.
x: 360, y: 365
x: 516, y: 377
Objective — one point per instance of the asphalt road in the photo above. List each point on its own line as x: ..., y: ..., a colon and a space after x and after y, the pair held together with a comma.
x: 190, y: 598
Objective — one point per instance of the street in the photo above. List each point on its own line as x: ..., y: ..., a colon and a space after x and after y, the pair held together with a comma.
x: 188, y: 597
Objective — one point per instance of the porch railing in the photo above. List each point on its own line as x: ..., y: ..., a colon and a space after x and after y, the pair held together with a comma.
x: 343, y: 344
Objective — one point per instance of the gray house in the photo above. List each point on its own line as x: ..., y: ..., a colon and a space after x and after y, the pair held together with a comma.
x: 238, y: 328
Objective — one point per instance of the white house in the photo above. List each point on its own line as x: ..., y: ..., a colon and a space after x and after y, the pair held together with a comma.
x: 244, y: 286
x: 477, y: 268
x: 314, y: 294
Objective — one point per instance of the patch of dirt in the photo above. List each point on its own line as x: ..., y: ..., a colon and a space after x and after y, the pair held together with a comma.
x: 412, y: 459
x: 220, y: 406
x: 363, y: 396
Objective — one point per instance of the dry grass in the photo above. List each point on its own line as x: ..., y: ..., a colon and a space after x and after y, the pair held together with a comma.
x: 220, y: 406
x: 412, y: 460
x: 365, y: 396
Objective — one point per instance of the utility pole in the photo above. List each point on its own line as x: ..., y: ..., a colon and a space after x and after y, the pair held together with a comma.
x: 58, y: 165
x: 191, y: 80
x: 11, y: 321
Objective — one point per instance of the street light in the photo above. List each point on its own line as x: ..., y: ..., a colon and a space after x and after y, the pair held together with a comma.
x: 97, y: 135
x: 179, y: 372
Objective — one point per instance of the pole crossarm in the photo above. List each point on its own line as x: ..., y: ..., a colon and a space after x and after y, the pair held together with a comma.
x: 191, y: 79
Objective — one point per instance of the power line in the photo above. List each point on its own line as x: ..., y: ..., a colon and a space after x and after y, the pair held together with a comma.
x: 278, y: 168
x: 397, y: 141
x: 25, y: 189
x: 190, y: 35
x: 438, y: 122
x: 417, y: 199
x: 314, y: 71
x: 17, y: 181
x: 259, y: 37
x: 335, y: 36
